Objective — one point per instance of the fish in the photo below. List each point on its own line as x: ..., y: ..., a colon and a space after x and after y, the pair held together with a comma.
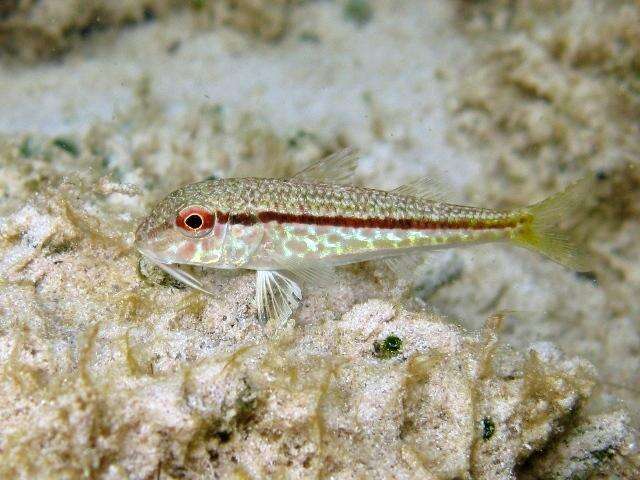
x: 298, y: 229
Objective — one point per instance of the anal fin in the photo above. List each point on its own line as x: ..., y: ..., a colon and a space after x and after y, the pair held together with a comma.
x: 404, y: 266
x: 316, y: 273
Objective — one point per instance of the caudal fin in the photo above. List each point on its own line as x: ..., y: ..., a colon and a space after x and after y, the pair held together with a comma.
x: 549, y: 231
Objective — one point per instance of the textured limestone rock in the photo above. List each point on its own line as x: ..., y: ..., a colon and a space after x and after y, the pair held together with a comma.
x: 110, y: 370
x: 43, y: 29
x: 107, y: 377
x: 590, y: 448
x: 33, y: 29
x: 553, y: 92
x: 552, y: 96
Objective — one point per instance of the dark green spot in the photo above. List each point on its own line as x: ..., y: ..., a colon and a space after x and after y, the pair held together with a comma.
x: 67, y: 145
x: 603, y: 454
x: 488, y: 428
x: 148, y: 14
x: 62, y: 247
x: 223, y: 435
x: 588, y: 276
x: 216, y: 113
x: 198, y: 4
x: 359, y: 12
x: 389, y: 347
x: 309, y: 37
x: 295, y: 140
x: 33, y: 185
x: 174, y: 46
x: 27, y: 149
x: 393, y: 343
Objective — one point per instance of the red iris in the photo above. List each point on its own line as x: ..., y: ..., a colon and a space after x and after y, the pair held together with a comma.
x: 195, y: 220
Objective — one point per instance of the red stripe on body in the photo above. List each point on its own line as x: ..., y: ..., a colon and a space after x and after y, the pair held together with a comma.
x: 383, y: 223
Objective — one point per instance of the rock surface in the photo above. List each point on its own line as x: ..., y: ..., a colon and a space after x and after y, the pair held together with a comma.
x: 107, y: 377
x: 112, y: 370
x: 36, y: 29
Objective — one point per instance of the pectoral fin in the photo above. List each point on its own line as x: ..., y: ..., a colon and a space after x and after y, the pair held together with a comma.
x: 276, y: 297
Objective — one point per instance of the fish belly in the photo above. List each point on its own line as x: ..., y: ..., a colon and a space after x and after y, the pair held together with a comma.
x: 340, y: 245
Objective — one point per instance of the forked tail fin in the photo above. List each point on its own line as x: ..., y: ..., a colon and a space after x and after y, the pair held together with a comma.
x: 549, y: 230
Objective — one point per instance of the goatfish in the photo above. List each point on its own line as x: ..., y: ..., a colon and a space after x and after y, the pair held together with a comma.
x: 298, y: 229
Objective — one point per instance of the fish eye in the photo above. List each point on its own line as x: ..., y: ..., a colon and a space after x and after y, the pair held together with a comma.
x: 195, y: 221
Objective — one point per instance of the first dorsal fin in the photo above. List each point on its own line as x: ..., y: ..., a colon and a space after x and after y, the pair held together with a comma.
x: 337, y: 168
x: 425, y: 187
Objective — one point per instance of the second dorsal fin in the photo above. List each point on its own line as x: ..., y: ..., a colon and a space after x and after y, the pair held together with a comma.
x: 337, y: 168
x: 424, y: 187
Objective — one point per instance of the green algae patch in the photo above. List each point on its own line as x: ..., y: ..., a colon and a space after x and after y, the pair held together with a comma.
x: 388, y: 348
x: 488, y: 428
x: 198, y: 4
x: 309, y: 37
x: 67, y: 145
x: 359, y: 12
x: 27, y: 148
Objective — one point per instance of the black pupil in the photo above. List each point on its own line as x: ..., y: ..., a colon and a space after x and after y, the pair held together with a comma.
x: 193, y: 221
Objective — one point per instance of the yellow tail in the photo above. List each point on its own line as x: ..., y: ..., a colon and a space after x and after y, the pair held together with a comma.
x: 547, y: 231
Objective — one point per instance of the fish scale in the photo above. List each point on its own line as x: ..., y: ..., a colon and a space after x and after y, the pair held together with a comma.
x: 256, y: 195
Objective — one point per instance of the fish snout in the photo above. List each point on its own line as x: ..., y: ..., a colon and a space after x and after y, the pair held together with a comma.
x: 155, y: 239
x: 142, y: 234
x: 148, y: 233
